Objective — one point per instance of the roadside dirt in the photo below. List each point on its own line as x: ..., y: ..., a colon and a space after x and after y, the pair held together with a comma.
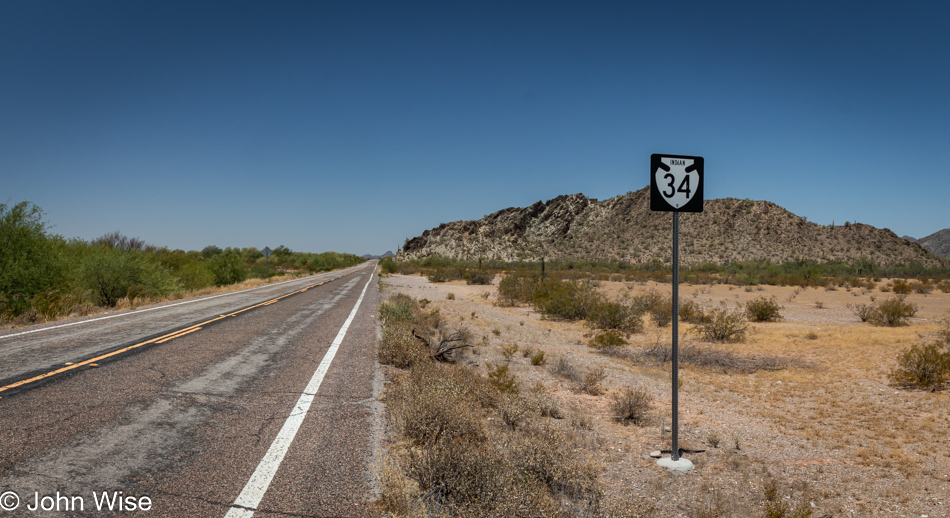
x: 828, y: 432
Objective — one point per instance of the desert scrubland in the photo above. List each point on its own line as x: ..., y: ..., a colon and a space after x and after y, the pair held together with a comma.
x: 801, y: 418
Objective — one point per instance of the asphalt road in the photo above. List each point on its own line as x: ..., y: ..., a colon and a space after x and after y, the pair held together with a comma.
x: 245, y: 404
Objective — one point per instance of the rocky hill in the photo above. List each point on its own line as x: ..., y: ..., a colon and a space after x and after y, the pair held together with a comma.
x: 938, y: 243
x: 623, y: 228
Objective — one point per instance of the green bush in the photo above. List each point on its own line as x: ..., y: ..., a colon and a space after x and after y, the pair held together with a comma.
x: 517, y: 288
x: 763, y: 309
x: 691, y: 312
x: 923, y: 366
x: 502, y: 379
x: 444, y: 274
x: 537, y: 358
x: 893, y: 312
x: 567, y: 300
x: 724, y: 325
x: 616, y: 316
x: 387, y: 266
x: 901, y: 288
x: 479, y: 277
x: 29, y: 257
x: 659, y: 307
x: 227, y: 268
x: 399, y: 308
x: 607, y: 340
x: 863, y: 311
x: 111, y: 274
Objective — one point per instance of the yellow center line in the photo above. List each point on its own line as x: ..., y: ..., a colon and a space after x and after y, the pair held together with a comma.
x: 71, y: 366
x: 161, y: 339
x: 179, y: 334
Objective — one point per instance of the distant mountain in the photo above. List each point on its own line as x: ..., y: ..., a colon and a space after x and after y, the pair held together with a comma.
x: 908, y: 238
x: 938, y: 243
x: 624, y: 228
x: 371, y: 256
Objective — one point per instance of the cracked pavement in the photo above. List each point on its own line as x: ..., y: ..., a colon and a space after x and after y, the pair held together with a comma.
x: 187, y: 422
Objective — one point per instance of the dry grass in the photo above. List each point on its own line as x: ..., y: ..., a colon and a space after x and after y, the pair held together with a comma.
x: 471, y: 445
x: 806, y: 403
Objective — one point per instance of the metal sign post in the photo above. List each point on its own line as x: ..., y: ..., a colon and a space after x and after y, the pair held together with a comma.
x: 266, y: 252
x: 676, y: 185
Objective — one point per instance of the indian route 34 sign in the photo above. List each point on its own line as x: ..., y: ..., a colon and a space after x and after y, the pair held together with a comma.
x: 676, y: 183
x: 266, y: 252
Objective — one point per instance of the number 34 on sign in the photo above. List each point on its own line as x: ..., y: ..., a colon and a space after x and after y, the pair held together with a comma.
x: 676, y: 183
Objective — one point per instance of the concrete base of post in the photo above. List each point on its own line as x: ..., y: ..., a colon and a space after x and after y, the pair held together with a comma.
x: 675, y: 465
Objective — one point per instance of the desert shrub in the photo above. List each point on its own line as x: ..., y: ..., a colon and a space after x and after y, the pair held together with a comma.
x: 763, y: 309
x: 508, y: 351
x: 479, y: 277
x: 565, y: 368
x: 691, y: 312
x: 567, y: 300
x: 901, y: 288
x: 435, y: 402
x: 944, y: 334
x: 514, y: 411
x: 407, y: 268
x: 444, y: 274
x: 944, y: 286
x: 616, y: 317
x: 591, y: 381
x: 399, y: 308
x: 778, y: 507
x: 724, y: 325
x: 862, y: 311
x: 631, y: 405
x: 608, y: 339
x: 111, y: 274
x: 502, y: 378
x: 659, y: 307
x: 388, y: 266
x: 517, y: 288
x: 726, y: 362
x: 548, y: 407
x: 54, y: 303
x: 537, y: 358
x: 922, y: 287
x: 923, y: 365
x: 227, y: 268
x: 662, y: 312
x: 29, y: 262
x: 399, y: 348
x: 893, y: 312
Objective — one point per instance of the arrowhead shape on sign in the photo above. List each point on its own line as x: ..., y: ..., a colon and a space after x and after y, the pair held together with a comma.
x: 677, y: 183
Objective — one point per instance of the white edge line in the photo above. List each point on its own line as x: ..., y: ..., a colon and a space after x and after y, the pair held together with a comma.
x: 137, y: 311
x: 256, y: 487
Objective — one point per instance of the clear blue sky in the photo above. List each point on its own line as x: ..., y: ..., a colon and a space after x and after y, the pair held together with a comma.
x: 350, y: 126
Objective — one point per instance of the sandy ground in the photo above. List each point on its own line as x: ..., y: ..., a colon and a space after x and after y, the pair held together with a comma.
x: 830, y: 433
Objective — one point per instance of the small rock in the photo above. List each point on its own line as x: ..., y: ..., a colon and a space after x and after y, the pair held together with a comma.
x: 656, y: 454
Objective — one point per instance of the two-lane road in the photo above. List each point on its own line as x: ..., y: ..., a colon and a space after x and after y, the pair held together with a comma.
x: 255, y: 403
